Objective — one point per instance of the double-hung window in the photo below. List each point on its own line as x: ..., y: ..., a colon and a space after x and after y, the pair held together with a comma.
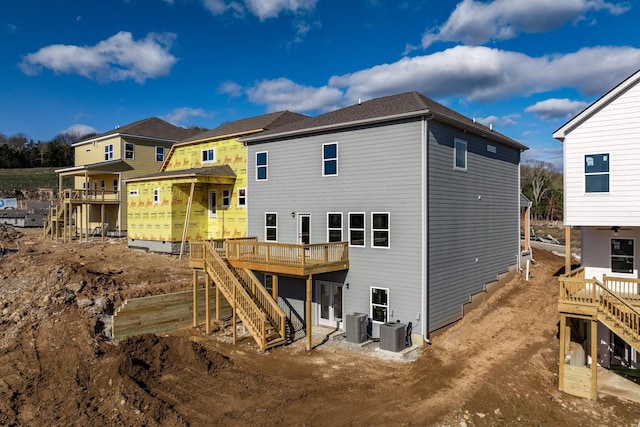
x: 356, y: 229
x: 596, y: 173
x: 271, y: 226
x: 379, y: 305
x: 156, y: 196
x: 159, y: 154
x: 261, y: 166
x: 622, y: 255
x: 128, y: 150
x: 334, y: 226
x: 208, y: 155
x: 213, y: 203
x: 226, y: 198
x: 460, y: 154
x: 108, y: 152
x: 115, y: 185
x: 242, y: 197
x: 330, y: 159
x: 380, y: 229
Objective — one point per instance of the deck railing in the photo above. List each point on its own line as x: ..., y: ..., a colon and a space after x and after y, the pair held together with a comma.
x: 615, y: 297
x: 300, y: 255
x: 79, y: 195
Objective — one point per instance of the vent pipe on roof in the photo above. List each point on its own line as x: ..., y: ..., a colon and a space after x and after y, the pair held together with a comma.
x: 359, y: 101
x: 490, y: 126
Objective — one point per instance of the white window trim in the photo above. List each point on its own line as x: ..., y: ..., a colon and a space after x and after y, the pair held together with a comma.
x: 457, y: 141
x: 156, y: 153
x: 108, y: 152
x: 585, y: 174
x: 371, y: 288
x: 115, y: 184
x: 134, y: 193
x: 228, y: 197
x: 324, y: 161
x: 388, y: 230
x: 270, y: 226
x: 156, y: 196
x: 132, y: 151
x: 265, y: 166
x: 242, y: 205
x: 206, y: 150
x: 213, y: 213
x: 329, y: 228
x: 364, y: 228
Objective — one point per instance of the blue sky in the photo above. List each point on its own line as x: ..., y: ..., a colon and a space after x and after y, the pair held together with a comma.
x: 525, y: 66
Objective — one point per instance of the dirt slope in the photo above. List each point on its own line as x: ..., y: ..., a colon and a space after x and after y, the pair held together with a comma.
x: 58, y: 366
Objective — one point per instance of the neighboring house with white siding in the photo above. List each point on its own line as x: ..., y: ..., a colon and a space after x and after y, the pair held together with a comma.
x: 427, y: 199
x: 602, y: 197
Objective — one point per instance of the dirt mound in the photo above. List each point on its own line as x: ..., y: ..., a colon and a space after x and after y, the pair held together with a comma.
x: 8, y: 234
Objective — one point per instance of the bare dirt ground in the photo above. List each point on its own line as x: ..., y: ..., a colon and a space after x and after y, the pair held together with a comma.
x: 58, y: 366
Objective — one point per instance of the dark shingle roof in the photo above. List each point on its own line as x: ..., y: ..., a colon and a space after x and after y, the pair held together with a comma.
x: 153, y: 127
x: 252, y: 124
x: 383, y: 109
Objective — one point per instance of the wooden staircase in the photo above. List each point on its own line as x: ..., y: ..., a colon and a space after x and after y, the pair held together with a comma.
x: 259, y: 312
x: 53, y: 223
x: 621, y: 317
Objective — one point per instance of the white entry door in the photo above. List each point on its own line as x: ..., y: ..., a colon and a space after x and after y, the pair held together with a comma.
x: 330, y: 304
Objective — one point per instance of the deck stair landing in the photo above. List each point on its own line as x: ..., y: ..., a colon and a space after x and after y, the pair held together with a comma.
x: 259, y: 312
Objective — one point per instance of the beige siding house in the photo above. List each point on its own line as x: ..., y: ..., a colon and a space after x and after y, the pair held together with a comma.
x: 102, y: 163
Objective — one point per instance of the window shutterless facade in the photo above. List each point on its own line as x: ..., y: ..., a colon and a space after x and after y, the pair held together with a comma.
x: 128, y: 150
x: 330, y: 159
x: 460, y: 154
x: 226, y: 198
x: 334, y: 227
x: 262, y: 164
x: 242, y: 197
x: 622, y: 255
x: 208, y: 155
x: 108, y: 152
x: 159, y: 154
x: 596, y: 173
x: 271, y: 226
x: 213, y: 203
x: 380, y: 226
x: 379, y: 305
x: 356, y: 229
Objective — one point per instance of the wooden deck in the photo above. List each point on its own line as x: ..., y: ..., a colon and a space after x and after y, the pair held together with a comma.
x: 91, y: 196
x: 277, y: 258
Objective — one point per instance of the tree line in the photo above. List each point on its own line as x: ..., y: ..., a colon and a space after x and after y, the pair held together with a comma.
x: 18, y: 151
x: 541, y: 182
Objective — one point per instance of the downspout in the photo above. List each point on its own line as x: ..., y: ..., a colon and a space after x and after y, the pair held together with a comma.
x: 425, y: 226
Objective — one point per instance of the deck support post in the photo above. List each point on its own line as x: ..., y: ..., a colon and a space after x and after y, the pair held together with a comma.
x: 594, y: 358
x: 207, y: 308
x: 102, y: 220
x: 567, y: 249
x: 233, y: 320
x: 274, y: 287
x: 561, y: 359
x: 217, y: 304
x: 308, y: 310
x: 195, y: 298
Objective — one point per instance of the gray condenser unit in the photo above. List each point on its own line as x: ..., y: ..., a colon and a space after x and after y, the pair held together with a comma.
x: 392, y: 336
x: 356, y: 327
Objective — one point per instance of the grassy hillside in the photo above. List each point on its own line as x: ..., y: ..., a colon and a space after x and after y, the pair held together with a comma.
x: 26, y: 179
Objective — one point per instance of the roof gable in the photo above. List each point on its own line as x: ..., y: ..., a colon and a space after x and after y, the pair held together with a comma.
x: 597, y: 106
x: 152, y: 127
x: 410, y: 104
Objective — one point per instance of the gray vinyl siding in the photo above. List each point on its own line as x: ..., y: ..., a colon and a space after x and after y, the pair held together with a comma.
x: 379, y: 170
x: 473, y: 214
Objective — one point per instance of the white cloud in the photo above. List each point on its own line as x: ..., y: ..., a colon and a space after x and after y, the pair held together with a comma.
x: 263, y: 9
x: 283, y: 94
x: 483, y: 74
x: 80, y: 129
x: 120, y: 57
x: 180, y: 115
x: 508, y: 120
x: 475, y: 22
x: 230, y: 88
x: 555, y: 108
